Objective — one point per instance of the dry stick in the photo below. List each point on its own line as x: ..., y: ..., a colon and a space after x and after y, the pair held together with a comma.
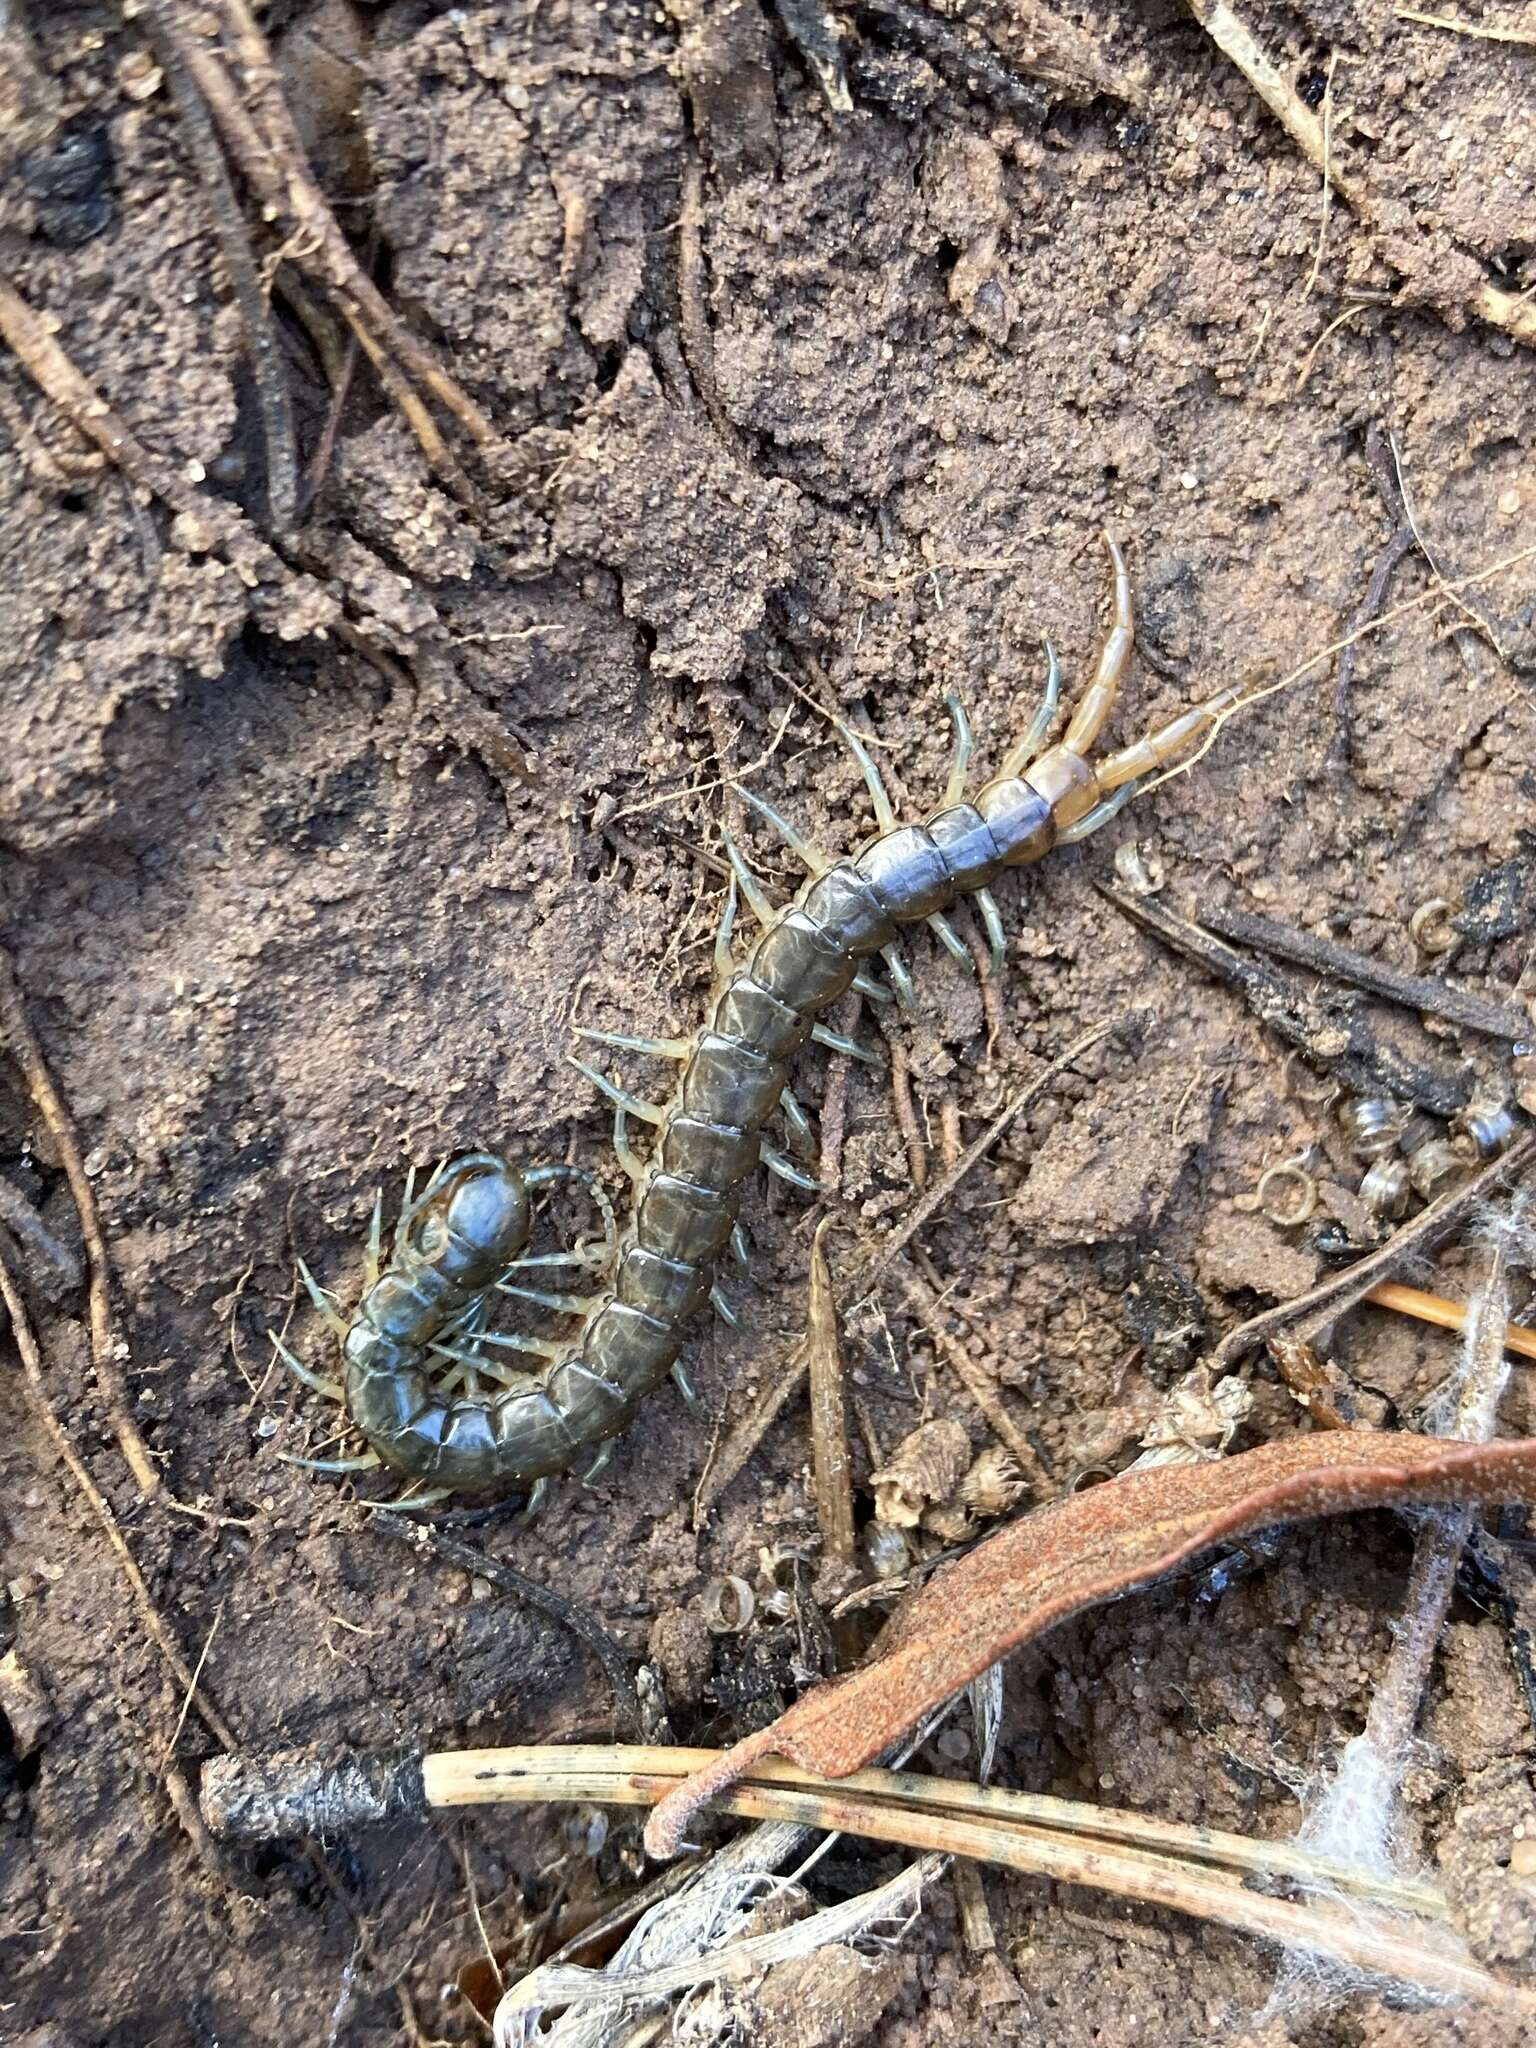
x: 1399, y: 543
x: 1357, y: 1806
x: 693, y: 321
x: 272, y: 163
x: 938, y: 1816
x: 829, y: 1410
x: 615, y: 1663
x: 1422, y: 992
x: 34, y: 1236
x: 154, y: 1621
x: 1392, y: 223
x: 267, y: 370
x: 30, y: 337
x: 107, y: 1348
x: 834, y: 1102
x: 296, y: 1792
x: 1445, y: 1315
x: 901, y: 1098
x: 1469, y: 28
x: 1313, y: 1311
x: 354, y: 289
x: 977, y: 1381
x: 752, y: 1427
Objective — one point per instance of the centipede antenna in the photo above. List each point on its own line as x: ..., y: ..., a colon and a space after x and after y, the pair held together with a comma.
x: 365, y: 1461
x: 566, y: 1304
x: 690, y: 1393
x: 600, y: 1463
x: 741, y: 1251
x: 373, y: 1251
x: 332, y: 1389
x: 834, y: 1041
x: 624, y: 1152
x: 786, y: 1169
x: 323, y: 1300
x: 558, y: 1170
x: 870, y: 990
x: 661, y: 1048
x: 810, y: 857
x: 960, y: 761
x: 992, y: 924
x: 648, y: 1112
x: 756, y: 897
x: 1101, y: 814
x: 802, y: 1131
x: 1020, y: 756
x: 952, y: 942
x: 901, y: 980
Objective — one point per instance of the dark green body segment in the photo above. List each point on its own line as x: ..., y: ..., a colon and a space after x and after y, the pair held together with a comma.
x: 709, y: 1146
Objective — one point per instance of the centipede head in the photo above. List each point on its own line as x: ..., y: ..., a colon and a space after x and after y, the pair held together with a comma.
x: 471, y: 1221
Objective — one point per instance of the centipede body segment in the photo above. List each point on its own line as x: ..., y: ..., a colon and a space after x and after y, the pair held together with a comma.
x: 733, y: 1076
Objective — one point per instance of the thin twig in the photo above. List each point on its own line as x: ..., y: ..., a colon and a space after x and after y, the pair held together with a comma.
x: 615, y: 1662
x: 978, y: 1383
x: 829, y: 1411
x: 1423, y: 992
x: 108, y: 1350
x: 1312, y: 1312
x: 749, y: 1430
x: 1445, y: 1315
x: 267, y: 370
x: 154, y: 1621
x: 1484, y: 31
x: 1399, y: 542
x: 1390, y: 221
x: 1190, y: 1870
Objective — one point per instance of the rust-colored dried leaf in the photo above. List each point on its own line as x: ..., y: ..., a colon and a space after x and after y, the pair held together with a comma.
x: 1077, y: 1553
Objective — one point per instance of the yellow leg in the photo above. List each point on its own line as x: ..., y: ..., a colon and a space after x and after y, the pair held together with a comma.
x: 1098, y: 700
x: 1145, y: 756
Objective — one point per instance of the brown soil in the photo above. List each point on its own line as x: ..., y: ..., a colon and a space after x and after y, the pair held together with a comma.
x: 289, y: 920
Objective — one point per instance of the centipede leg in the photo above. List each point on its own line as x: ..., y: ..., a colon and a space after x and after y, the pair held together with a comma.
x: 756, y: 897
x: 951, y: 940
x: 1019, y: 757
x: 692, y: 1400
x: 802, y: 1132
x: 786, y: 1169
x: 834, y: 1041
x: 871, y: 990
x: 565, y: 1304
x: 992, y: 924
x: 660, y: 1048
x: 723, y: 1308
x: 1101, y: 814
x: 373, y: 1251
x: 600, y: 1463
x: 1158, y: 749
x: 540, y: 1494
x: 323, y: 1300
x: 874, y: 782
x: 624, y: 1152
x: 648, y: 1112
x: 960, y: 760
x: 741, y: 1251
x: 811, y: 857
x: 332, y: 1389
x: 902, y: 984
x: 365, y: 1461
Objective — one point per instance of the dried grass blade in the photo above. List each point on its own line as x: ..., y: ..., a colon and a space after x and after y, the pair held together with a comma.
x: 1078, y: 1553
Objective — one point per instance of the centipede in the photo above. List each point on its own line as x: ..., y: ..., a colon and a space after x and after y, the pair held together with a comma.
x: 414, y: 1348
